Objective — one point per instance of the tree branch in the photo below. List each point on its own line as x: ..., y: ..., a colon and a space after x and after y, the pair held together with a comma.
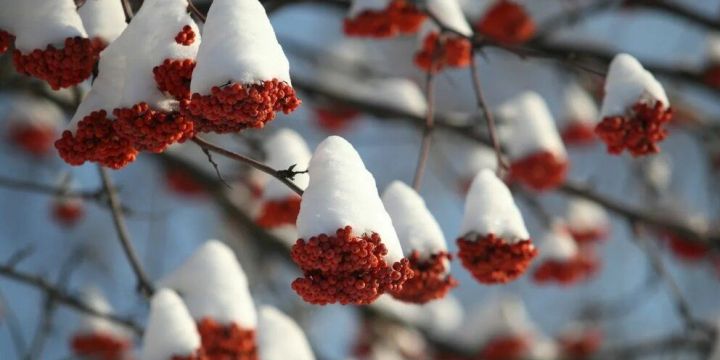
x: 427, y: 131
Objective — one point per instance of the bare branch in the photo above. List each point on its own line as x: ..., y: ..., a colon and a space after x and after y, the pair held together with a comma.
x: 427, y: 131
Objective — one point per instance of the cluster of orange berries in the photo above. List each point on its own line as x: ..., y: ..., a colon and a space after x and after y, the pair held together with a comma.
x: 399, y: 17
x: 227, y: 341
x: 151, y: 130
x: 540, y: 171
x: 440, y: 51
x: 567, y: 272
x: 6, y: 39
x: 430, y: 281
x: 99, y: 346
x: 578, y: 133
x: 335, y: 119
x: 507, y: 23
x: 186, y: 36
x: 236, y: 107
x: 492, y: 260
x: 36, y: 139
x: 638, y: 132
x: 505, y: 348
x: 346, y: 268
x: 173, y: 76
x: 63, y: 67
x: 276, y: 213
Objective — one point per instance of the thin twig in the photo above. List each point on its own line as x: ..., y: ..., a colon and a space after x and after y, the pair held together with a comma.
x: 489, y: 119
x: 30, y: 186
x: 196, y: 11
x: 13, y: 326
x: 427, y: 132
x: 127, y: 9
x: 144, y: 285
x: 208, y: 154
x: 281, y: 175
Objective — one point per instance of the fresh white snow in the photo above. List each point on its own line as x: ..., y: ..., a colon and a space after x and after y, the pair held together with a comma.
x: 280, y: 338
x: 170, y: 330
x: 104, y: 19
x: 284, y: 149
x: 627, y: 83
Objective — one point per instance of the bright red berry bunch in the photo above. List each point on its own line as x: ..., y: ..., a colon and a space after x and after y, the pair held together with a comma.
x: 335, y: 119
x: 96, y: 140
x: 581, y: 345
x: 6, y: 39
x: 186, y: 36
x: 236, y: 107
x: 687, y: 250
x: 567, y: 271
x: 430, y: 281
x: 227, y: 341
x: 441, y: 51
x: 35, y: 139
x: 492, y: 260
x: 505, y: 348
x: 276, y: 213
x: 540, y: 171
x: 638, y: 132
x: 99, y: 346
x: 399, y: 17
x: 507, y: 22
x: 63, y: 67
x: 578, y: 133
x: 151, y: 130
x: 173, y: 77
x: 346, y: 268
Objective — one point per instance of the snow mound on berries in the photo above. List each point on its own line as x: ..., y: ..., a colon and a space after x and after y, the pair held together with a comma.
x: 531, y: 126
x: 342, y: 192
x: 280, y: 338
x: 416, y: 227
x: 557, y: 244
x: 284, y: 149
x: 450, y: 15
x: 32, y: 110
x: 38, y: 23
x: 214, y: 286
x: 498, y: 317
x: 579, y: 105
x: 585, y: 215
x: 490, y: 209
x: 90, y: 324
x: 146, y: 43
x: 239, y: 46
x: 628, y: 82
x: 103, y: 18
x: 170, y: 330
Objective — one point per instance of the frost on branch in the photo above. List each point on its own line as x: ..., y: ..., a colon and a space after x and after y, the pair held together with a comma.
x: 383, y: 18
x: 537, y: 154
x: 587, y: 222
x: 424, y: 245
x: 51, y: 43
x: 104, y: 20
x: 97, y: 337
x: 634, y: 110
x: 348, y: 249
x: 242, y: 75
x: 447, y: 46
x: 281, y: 205
x: 506, y: 22
x: 170, y: 332
x: 216, y: 292
x: 561, y: 261
x: 580, y: 116
x: 280, y: 338
x: 32, y: 124
x: 494, y: 245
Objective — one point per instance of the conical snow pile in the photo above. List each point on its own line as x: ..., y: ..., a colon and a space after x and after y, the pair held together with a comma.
x: 170, y: 332
x: 440, y: 49
x: 104, y: 20
x: 580, y: 118
x: 561, y: 261
x: 33, y: 124
x: 97, y: 337
x: 383, y: 18
x: 280, y: 338
x: 216, y: 292
x: 587, y: 221
x: 50, y: 41
x: 506, y: 22
x: 537, y: 154
x: 157, y: 72
x: 634, y: 110
x: 242, y: 77
x: 281, y: 206
x: 495, y: 245
x: 348, y: 249
x: 423, y: 242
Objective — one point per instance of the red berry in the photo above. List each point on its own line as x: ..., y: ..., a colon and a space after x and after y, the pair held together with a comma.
x: 61, y: 68
x: 276, y: 213
x: 99, y: 346
x: 399, y: 17
x: 67, y: 212
x: 35, y: 139
x: 507, y: 23
x: 539, y: 171
x: 151, y: 130
x: 639, y: 132
x: 492, y: 260
x: 430, y: 281
x: 173, y: 77
x: 438, y: 52
x: 221, y: 341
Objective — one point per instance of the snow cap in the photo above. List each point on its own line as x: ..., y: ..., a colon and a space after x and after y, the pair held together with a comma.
x: 557, y: 244
x: 584, y: 215
x: 342, y: 192
x: 532, y: 128
x: 579, y: 105
x: 490, y: 209
x: 104, y: 19
x: 39, y: 23
x: 90, y: 324
x: 416, y: 227
x: 170, y: 330
x: 284, y: 149
x: 239, y: 46
x: 449, y: 14
x: 280, y: 338
x: 214, y: 286
x: 627, y: 83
